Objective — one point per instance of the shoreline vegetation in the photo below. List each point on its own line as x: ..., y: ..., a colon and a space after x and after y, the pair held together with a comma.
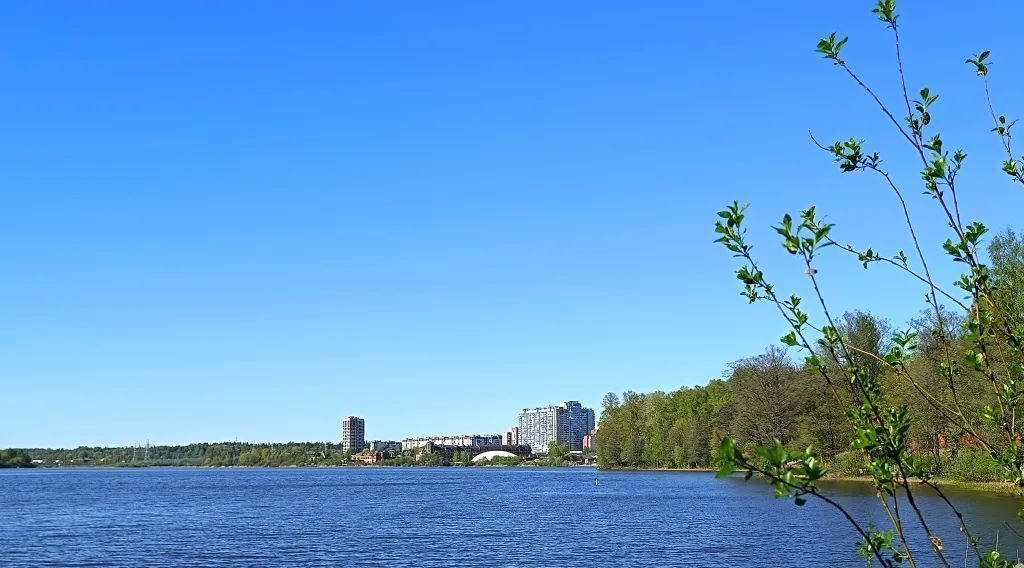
x: 288, y: 454
x: 330, y: 455
x: 994, y: 486
x: 769, y: 400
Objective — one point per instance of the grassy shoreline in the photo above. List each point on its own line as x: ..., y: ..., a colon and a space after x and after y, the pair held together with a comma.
x: 1000, y: 487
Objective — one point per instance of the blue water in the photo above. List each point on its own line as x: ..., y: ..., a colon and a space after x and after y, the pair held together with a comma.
x: 439, y: 517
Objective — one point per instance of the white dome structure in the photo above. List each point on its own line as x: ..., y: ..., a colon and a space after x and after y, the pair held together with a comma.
x: 493, y: 454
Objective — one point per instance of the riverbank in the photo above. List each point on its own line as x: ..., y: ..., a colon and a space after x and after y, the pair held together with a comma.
x: 1000, y: 487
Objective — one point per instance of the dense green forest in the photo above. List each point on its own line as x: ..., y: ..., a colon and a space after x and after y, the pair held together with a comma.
x: 770, y: 396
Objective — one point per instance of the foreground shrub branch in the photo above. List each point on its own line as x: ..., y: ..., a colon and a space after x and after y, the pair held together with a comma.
x: 991, y: 335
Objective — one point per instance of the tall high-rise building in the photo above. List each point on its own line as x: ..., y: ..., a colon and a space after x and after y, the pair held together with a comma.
x: 543, y: 426
x: 581, y: 422
x: 567, y: 423
x: 353, y: 434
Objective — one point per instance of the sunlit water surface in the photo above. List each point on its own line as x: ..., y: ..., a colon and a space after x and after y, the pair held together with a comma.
x: 444, y: 517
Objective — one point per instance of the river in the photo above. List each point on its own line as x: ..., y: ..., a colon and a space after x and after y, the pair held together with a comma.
x: 442, y: 517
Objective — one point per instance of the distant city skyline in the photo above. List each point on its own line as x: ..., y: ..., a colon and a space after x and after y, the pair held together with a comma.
x: 566, y: 423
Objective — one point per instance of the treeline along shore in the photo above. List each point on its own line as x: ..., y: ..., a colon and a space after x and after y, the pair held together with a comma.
x: 198, y: 454
x: 248, y: 454
x: 769, y: 396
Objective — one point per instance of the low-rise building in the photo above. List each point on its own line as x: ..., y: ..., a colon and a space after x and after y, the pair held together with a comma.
x: 368, y: 457
x: 590, y: 441
x: 511, y: 436
x: 461, y: 441
x: 385, y: 446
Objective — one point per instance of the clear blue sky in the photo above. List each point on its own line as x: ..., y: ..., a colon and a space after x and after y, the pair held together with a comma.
x: 246, y: 220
